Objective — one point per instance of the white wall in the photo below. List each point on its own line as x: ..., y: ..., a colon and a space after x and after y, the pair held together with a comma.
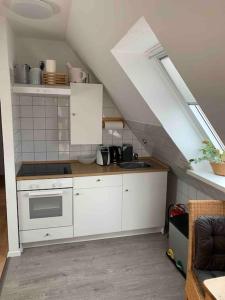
x: 32, y: 51
x: 6, y: 61
x: 2, y: 170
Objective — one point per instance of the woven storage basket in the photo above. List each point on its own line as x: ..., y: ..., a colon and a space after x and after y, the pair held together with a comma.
x: 218, y: 169
x: 54, y: 78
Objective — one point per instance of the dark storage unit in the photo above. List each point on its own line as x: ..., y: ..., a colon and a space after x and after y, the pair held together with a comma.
x: 178, y: 240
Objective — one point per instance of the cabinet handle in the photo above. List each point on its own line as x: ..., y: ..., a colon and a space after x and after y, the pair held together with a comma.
x: 77, y: 194
x: 47, y: 234
x: 98, y: 180
x: 73, y: 114
x: 126, y: 190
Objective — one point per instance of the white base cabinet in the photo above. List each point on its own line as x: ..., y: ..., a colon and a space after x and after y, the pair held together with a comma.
x: 108, y: 204
x: 97, y: 210
x: 46, y: 234
x: 97, y: 205
x: 144, y: 200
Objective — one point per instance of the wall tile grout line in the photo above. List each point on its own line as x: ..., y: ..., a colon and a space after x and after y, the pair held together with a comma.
x: 43, y: 126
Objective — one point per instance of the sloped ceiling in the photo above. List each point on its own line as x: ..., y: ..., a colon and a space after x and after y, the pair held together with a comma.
x: 192, y: 32
x: 94, y: 27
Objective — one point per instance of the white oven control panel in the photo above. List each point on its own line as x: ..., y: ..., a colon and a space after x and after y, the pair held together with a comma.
x: 44, y: 184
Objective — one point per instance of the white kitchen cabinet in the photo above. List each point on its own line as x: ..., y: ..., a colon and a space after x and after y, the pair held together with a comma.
x: 86, y: 113
x: 144, y: 200
x: 97, y: 210
x: 46, y: 234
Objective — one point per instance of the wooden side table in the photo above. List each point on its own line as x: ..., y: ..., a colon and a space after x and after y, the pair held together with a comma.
x: 215, y: 288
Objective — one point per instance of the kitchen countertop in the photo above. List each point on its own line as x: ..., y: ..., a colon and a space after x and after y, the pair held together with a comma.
x: 80, y: 170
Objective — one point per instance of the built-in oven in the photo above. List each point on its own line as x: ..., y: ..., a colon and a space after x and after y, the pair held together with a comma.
x: 45, y: 203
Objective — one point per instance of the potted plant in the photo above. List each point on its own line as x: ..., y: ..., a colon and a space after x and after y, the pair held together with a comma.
x: 215, y: 157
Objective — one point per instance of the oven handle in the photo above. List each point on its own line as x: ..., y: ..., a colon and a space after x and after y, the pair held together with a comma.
x: 45, y: 193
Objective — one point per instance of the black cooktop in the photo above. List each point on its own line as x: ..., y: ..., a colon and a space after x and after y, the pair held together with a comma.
x: 44, y: 169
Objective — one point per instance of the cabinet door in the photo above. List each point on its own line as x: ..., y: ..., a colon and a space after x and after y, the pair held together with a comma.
x: 144, y: 200
x: 97, y: 210
x: 86, y: 113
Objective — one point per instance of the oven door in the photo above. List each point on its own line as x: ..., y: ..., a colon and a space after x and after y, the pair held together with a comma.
x: 45, y: 208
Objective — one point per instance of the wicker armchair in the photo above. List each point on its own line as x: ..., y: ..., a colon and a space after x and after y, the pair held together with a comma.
x: 193, y: 289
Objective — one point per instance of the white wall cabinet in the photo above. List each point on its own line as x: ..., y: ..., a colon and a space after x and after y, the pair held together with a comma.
x: 86, y: 103
x: 97, y: 210
x: 144, y: 200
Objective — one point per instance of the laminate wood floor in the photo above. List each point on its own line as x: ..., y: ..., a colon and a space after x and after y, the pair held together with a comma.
x: 113, y: 269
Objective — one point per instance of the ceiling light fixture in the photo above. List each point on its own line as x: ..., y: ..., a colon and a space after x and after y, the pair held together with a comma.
x: 32, y: 9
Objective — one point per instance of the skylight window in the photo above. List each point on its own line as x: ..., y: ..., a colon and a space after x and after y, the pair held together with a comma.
x: 192, y: 103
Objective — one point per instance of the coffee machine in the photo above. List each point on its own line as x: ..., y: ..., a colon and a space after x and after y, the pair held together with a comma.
x: 103, y: 155
x: 115, y: 154
x: 127, y: 152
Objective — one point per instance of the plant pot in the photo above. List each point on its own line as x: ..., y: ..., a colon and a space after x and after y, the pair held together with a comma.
x: 218, y: 168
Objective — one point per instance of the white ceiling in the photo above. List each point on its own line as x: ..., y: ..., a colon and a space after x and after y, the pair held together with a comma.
x: 51, y: 28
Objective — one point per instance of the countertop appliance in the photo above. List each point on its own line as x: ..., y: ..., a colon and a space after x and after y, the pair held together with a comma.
x: 45, y: 203
x: 115, y: 154
x: 38, y: 169
x: 127, y: 152
x: 21, y: 73
x: 103, y: 156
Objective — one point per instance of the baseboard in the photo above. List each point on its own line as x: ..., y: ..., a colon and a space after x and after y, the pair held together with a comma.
x: 14, y: 253
x: 94, y: 237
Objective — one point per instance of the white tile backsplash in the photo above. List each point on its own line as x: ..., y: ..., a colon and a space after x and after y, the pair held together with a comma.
x: 51, y: 111
x: 38, y: 100
x: 40, y: 146
x: 186, y: 192
x: 41, y: 129
x: 27, y: 156
x: 39, y: 111
x: 63, y: 112
x: 27, y: 135
x: 26, y: 111
x: 39, y: 123
x: 52, y: 146
x: 52, y: 123
x: 27, y: 146
x: 52, y: 135
x: 25, y: 100
x: 63, y: 101
x: 39, y: 135
x: 40, y: 156
x: 51, y: 101
x: 27, y: 123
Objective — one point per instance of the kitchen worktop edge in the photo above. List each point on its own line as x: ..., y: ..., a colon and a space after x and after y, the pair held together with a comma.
x: 82, y: 170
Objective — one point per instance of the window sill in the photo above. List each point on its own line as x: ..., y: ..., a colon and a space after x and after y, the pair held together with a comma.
x: 210, y: 178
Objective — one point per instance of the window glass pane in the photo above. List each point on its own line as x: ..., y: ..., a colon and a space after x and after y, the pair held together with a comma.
x: 177, y: 79
x: 206, y: 126
x: 189, y: 98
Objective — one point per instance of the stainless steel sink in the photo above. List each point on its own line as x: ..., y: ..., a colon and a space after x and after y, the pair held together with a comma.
x: 134, y: 165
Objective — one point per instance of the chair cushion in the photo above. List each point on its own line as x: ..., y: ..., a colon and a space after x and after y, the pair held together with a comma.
x: 210, y: 243
x: 205, y: 274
